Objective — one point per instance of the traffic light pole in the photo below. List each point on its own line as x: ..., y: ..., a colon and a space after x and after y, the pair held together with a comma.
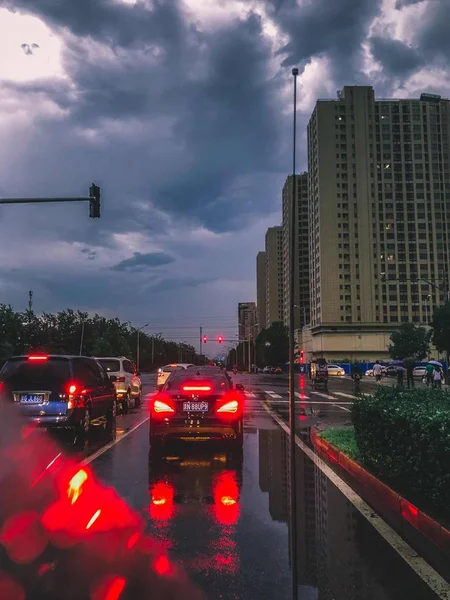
x: 93, y: 199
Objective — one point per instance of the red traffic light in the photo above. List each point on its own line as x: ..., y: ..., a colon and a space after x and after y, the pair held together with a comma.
x: 301, y: 355
x: 205, y: 339
x: 220, y: 338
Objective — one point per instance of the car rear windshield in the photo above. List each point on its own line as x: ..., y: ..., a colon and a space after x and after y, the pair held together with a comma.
x: 111, y: 366
x: 171, y: 368
x: 23, y: 371
x: 217, y: 384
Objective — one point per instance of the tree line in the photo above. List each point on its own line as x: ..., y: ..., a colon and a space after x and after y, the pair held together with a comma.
x: 76, y: 332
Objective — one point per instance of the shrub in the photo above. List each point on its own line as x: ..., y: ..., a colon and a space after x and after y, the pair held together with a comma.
x: 404, y: 438
x: 342, y: 439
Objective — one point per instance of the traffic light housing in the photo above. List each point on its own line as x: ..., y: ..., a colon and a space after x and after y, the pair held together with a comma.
x: 220, y: 339
x: 205, y: 339
x: 301, y: 356
x: 94, y: 202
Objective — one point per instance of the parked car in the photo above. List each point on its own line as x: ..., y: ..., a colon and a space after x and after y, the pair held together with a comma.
x: 268, y: 369
x: 124, y: 375
x: 335, y: 371
x: 391, y: 371
x: 369, y: 372
x: 56, y: 391
x: 164, y: 372
x: 277, y: 370
x: 419, y: 371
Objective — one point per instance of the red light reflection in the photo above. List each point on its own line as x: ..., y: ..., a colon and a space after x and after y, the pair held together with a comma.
x: 162, y: 565
x: 226, y: 496
x: 162, y: 504
x: 10, y: 589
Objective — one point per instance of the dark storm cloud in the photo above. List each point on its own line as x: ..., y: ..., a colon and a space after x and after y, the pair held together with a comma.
x: 398, y: 59
x: 324, y: 28
x: 140, y: 262
x: 433, y: 36
x: 175, y: 283
x: 402, y: 3
x: 114, y: 23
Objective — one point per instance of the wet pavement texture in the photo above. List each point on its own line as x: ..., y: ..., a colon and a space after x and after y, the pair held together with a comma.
x: 226, y: 521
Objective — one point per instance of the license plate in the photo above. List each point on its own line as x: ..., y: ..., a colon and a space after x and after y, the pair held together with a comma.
x: 195, y: 406
x: 31, y: 399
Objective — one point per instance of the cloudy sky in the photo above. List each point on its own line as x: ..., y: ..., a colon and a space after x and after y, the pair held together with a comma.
x: 181, y: 111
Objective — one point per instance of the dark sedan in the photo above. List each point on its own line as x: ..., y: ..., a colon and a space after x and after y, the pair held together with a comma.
x: 197, y: 406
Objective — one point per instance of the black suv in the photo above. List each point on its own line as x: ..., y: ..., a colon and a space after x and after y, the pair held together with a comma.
x: 58, y: 391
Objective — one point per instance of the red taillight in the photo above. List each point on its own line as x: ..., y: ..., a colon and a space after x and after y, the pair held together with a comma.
x: 230, y: 407
x: 40, y: 357
x: 159, y: 407
x: 72, y: 388
x: 120, y: 380
x: 196, y: 388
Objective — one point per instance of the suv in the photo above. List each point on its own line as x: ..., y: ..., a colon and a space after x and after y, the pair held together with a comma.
x: 58, y: 391
x: 164, y: 372
x: 124, y: 375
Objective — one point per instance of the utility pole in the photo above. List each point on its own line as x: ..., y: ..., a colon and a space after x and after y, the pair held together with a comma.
x: 201, y: 343
x: 30, y: 301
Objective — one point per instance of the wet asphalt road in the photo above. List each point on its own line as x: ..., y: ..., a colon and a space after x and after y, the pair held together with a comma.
x: 227, y: 524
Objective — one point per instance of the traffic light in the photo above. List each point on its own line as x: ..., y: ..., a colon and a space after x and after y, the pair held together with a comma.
x: 205, y: 339
x: 94, y: 202
x: 301, y: 356
x: 220, y: 338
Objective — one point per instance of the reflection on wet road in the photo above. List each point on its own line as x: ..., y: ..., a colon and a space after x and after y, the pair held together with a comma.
x: 226, y: 521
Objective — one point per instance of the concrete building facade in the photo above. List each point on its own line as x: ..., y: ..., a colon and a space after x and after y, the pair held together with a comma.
x: 379, y: 211
x: 274, y: 275
x: 261, y: 290
x: 247, y: 320
x: 301, y: 258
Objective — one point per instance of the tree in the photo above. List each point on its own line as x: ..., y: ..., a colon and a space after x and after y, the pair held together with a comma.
x: 272, y: 345
x: 440, y: 327
x: 410, y: 341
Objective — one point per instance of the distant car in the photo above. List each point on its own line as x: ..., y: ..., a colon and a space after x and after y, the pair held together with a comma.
x: 124, y: 375
x: 195, y: 405
x: 56, y: 391
x: 419, y: 371
x: 268, y: 369
x: 278, y: 370
x: 391, y: 371
x: 335, y: 371
x: 164, y: 372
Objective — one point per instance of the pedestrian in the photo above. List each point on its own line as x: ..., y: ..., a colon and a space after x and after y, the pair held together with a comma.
x: 400, y: 376
x: 377, y: 370
x: 429, y: 370
x: 437, y: 377
x: 410, y: 373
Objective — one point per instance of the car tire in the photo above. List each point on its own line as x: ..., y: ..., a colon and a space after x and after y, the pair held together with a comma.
x: 138, y: 400
x: 126, y: 401
x: 112, y: 412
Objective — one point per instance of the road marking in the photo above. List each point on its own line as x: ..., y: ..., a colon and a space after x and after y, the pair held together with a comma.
x: 425, y: 571
x: 273, y: 394
x: 301, y: 396
x: 324, y: 396
x: 346, y: 395
x: 250, y: 395
x: 110, y: 445
x: 341, y: 407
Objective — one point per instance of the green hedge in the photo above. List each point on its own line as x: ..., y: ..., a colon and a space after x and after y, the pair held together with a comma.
x: 342, y: 439
x: 404, y: 438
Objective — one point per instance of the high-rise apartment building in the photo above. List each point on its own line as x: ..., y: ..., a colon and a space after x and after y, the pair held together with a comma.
x: 274, y: 275
x: 301, y: 258
x: 379, y: 210
x: 247, y: 320
x: 261, y: 290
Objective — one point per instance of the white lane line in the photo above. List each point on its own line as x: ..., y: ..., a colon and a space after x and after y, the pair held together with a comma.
x: 324, y: 396
x: 343, y: 394
x: 272, y: 394
x: 341, y: 407
x: 425, y: 571
x: 301, y: 396
x: 250, y: 395
x: 110, y: 445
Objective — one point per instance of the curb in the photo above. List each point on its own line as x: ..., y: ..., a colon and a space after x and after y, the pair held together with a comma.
x: 385, y: 500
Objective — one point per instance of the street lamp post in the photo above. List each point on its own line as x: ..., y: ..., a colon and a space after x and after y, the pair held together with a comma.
x: 153, y: 347
x: 138, y: 347
x: 292, y: 253
x: 82, y: 337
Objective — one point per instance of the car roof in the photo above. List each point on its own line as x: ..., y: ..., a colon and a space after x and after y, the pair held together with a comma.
x: 112, y: 358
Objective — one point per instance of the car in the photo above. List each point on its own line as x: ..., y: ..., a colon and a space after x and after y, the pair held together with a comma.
x: 59, y: 391
x: 164, y: 372
x: 369, y: 372
x: 268, y: 369
x: 195, y: 405
x: 420, y: 371
x: 391, y: 371
x: 335, y: 371
x: 124, y: 375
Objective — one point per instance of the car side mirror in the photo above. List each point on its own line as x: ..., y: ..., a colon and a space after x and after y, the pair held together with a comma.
x: 239, y: 387
x: 113, y: 378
